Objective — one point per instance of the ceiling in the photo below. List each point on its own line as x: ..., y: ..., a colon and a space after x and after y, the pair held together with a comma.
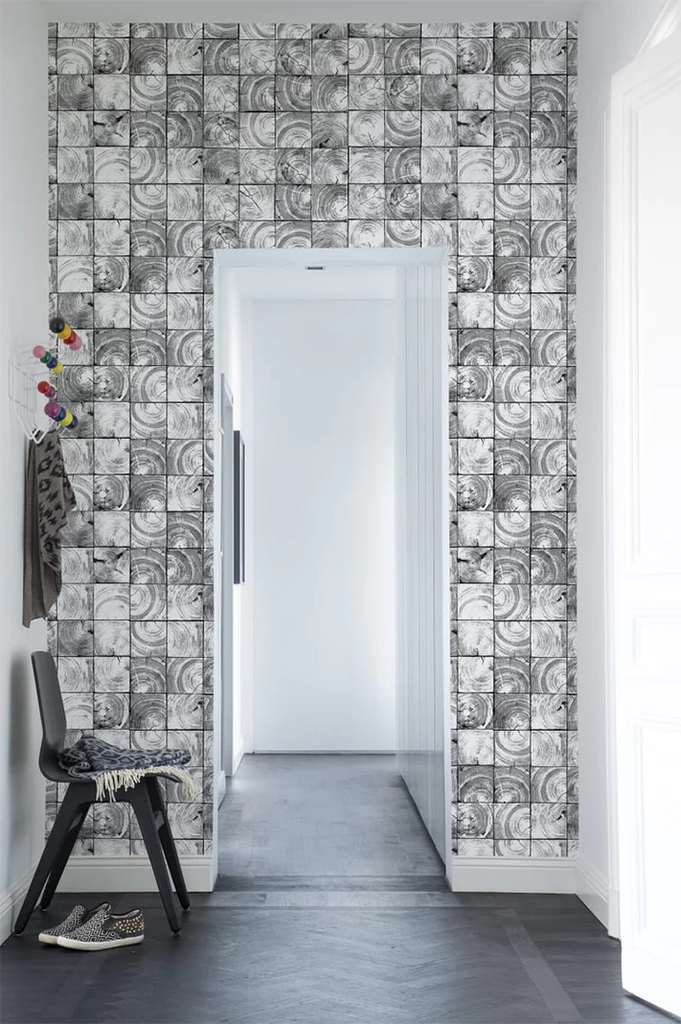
x: 311, y: 10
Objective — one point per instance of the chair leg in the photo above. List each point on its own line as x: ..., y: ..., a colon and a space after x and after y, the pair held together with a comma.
x: 61, y: 859
x: 168, y: 842
x: 69, y: 810
x: 141, y: 804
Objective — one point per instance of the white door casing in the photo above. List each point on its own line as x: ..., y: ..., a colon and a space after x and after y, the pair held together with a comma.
x: 645, y: 437
x: 424, y: 745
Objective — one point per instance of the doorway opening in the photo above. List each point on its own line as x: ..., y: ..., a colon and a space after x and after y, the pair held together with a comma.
x: 332, y: 667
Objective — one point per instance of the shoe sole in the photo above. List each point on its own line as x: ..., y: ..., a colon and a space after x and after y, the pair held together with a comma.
x: 109, y: 944
x: 49, y: 940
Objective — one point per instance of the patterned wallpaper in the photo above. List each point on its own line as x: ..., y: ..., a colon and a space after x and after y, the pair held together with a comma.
x: 168, y: 141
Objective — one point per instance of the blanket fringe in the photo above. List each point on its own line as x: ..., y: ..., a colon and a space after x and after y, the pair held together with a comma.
x: 128, y: 778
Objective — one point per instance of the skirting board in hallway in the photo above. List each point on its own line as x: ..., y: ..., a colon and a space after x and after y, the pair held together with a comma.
x: 10, y: 903
x: 512, y: 874
x: 132, y: 874
x: 106, y: 874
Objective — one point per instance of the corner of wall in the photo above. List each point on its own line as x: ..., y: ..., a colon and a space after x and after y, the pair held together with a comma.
x: 23, y: 297
x: 592, y: 889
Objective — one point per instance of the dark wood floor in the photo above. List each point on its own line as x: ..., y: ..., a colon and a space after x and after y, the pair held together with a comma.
x: 298, y: 938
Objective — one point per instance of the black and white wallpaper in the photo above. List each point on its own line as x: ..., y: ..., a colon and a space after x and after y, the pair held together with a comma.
x: 168, y: 141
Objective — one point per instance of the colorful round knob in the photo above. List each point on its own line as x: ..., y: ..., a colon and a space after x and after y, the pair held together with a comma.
x: 52, y: 410
x: 58, y: 368
x: 68, y: 419
x: 65, y: 331
x: 39, y: 351
x: 47, y: 358
x: 52, y: 362
x: 57, y: 324
x: 73, y: 423
x: 61, y: 414
x: 78, y: 343
x: 44, y: 387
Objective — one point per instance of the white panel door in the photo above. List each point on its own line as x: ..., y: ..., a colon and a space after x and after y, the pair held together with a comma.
x: 645, y: 348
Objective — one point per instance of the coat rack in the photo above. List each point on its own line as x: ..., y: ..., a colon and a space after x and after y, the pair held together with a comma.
x: 28, y: 385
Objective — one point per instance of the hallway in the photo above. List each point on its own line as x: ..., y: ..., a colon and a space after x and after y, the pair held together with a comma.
x: 339, y: 818
x: 330, y: 906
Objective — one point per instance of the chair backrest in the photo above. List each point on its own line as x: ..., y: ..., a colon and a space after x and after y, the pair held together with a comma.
x: 52, y: 713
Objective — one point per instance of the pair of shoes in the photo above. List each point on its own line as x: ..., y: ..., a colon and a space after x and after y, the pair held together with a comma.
x: 99, y: 928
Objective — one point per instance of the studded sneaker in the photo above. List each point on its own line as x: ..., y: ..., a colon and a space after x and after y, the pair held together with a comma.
x: 77, y: 916
x: 104, y: 930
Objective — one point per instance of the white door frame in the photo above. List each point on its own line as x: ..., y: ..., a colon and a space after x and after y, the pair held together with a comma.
x: 423, y: 326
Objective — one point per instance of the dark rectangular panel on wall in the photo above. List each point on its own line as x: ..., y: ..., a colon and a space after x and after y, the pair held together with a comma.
x: 239, y: 508
x: 169, y: 141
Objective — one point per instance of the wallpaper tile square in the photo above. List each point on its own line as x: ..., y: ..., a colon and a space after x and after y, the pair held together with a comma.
x: 168, y: 141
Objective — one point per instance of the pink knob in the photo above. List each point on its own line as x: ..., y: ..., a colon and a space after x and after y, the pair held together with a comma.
x: 52, y: 409
x: 39, y: 351
x: 78, y: 343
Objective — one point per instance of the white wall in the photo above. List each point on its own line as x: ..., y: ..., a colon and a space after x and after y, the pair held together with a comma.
x: 23, y: 300
x: 610, y: 35
x: 322, y: 469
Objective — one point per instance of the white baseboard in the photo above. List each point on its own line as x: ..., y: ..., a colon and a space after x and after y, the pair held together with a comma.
x: 592, y: 889
x: 131, y: 874
x: 512, y: 874
x: 614, y: 913
x: 238, y: 755
x: 10, y: 902
x: 106, y: 874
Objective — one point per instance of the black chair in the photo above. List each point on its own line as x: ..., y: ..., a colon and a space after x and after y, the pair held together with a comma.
x: 146, y: 800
